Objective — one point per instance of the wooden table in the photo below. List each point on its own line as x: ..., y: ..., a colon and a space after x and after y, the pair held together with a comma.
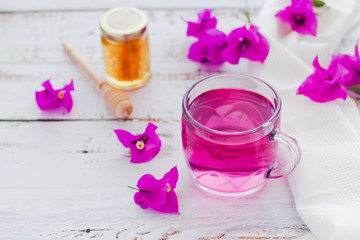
x: 65, y: 176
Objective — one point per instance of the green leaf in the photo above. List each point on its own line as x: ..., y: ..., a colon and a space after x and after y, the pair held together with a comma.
x: 355, y: 89
x: 247, y: 15
x: 318, y: 3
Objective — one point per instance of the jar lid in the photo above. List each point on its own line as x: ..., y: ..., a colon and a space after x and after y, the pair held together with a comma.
x: 123, y: 23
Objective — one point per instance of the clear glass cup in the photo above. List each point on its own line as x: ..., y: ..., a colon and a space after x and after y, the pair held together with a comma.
x: 231, y: 136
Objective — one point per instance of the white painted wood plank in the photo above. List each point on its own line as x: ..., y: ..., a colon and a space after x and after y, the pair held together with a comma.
x: 41, y: 57
x: 60, y: 178
x: 25, y: 64
x: 160, y: 98
x: 37, y: 37
x: 46, y: 5
x: 46, y: 31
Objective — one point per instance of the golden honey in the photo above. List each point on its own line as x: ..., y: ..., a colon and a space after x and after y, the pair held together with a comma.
x: 125, y: 47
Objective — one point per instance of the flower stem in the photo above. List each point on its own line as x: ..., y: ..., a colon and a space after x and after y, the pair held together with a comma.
x: 247, y: 12
x: 354, y: 95
x: 134, y: 188
x: 140, y: 190
x: 354, y: 89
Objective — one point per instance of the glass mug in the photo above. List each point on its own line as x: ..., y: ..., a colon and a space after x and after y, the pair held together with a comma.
x: 230, y: 135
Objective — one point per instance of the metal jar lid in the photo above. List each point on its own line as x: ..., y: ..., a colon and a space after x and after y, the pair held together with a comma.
x: 123, y: 23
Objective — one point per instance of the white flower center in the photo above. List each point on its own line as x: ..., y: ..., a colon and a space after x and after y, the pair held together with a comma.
x: 140, y: 145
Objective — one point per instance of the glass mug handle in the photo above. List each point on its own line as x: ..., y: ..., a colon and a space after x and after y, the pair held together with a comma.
x: 290, y: 163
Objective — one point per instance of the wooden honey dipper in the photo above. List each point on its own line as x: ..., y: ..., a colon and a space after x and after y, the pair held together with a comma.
x: 116, y: 100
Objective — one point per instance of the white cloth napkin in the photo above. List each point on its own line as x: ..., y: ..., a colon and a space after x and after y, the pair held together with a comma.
x: 326, y: 183
x: 334, y: 22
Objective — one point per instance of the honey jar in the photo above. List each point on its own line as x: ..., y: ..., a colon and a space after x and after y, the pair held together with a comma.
x: 125, y: 45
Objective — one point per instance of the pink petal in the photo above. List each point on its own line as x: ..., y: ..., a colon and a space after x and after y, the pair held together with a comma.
x: 215, y: 56
x: 45, y: 100
x: 327, y: 92
x: 352, y: 65
x: 69, y: 87
x: 209, y: 48
x: 312, y: 82
x: 125, y: 137
x: 215, y: 37
x: 67, y: 101
x: 47, y: 85
x: 205, y: 14
x: 246, y: 43
x: 312, y: 24
x: 155, y: 194
x: 341, y: 75
x: 138, y: 156
x: 171, y: 205
x: 325, y: 84
x: 150, y: 128
x: 171, y: 177
x: 237, y: 34
x: 49, y: 98
x: 356, y: 55
x: 149, y: 183
x: 153, y: 137
x: 152, y: 192
x: 215, y: 41
x: 151, y: 141
x: 198, y: 52
x: 317, y: 65
x: 204, y: 23
x: 330, y: 91
x: 259, y: 49
x: 153, y: 144
x: 300, y: 16
x: 149, y: 200
x: 232, y: 54
x: 152, y: 148
x: 194, y: 29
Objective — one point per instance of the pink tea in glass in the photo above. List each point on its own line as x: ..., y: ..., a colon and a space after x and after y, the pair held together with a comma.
x: 228, y: 134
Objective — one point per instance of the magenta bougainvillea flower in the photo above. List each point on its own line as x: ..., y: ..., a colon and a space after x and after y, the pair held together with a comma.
x: 204, y: 23
x: 198, y: 52
x: 352, y: 64
x: 213, y: 46
x: 301, y: 17
x: 209, y: 47
x: 246, y: 43
x: 51, y: 98
x: 158, y: 194
x: 144, y: 147
x: 325, y: 85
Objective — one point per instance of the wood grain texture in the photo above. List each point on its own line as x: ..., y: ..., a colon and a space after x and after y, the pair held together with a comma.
x: 45, y: 5
x: 74, y: 176
x: 46, y: 32
x: 28, y: 63
x: 65, y: 176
